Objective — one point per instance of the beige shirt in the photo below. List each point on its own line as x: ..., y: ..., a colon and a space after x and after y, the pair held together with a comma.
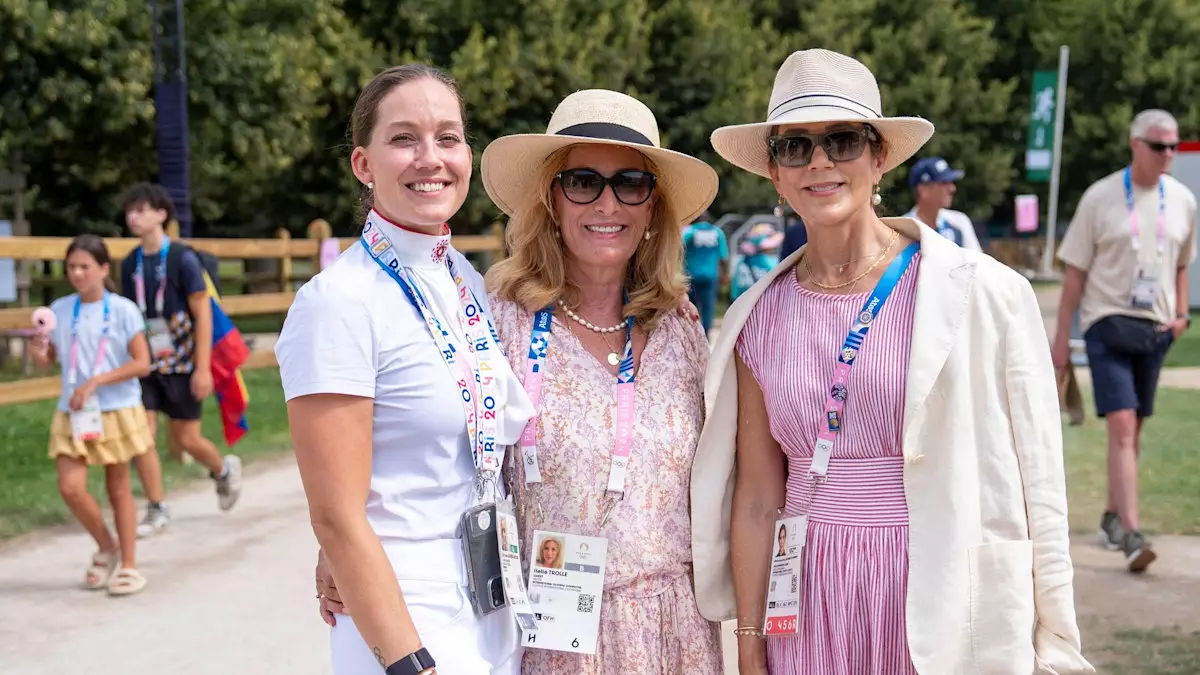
x: 1099, y: 242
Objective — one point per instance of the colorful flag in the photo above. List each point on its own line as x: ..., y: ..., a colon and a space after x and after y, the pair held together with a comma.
x: 229, y: 352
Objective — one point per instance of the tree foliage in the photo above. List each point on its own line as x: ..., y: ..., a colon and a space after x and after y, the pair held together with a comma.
x: 272, y: 84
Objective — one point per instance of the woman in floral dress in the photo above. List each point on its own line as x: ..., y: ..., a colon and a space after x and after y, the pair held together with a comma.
x: 597, y: 210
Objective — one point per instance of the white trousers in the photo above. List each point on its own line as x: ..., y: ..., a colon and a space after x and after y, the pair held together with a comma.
x: 460, y: 642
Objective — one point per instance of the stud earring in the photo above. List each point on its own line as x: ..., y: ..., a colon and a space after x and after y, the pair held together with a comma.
x: 647, y: 235
x: 876, y: 200
x: 371, y: 185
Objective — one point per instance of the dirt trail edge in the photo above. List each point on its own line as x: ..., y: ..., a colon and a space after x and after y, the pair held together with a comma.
x: 228, y: 593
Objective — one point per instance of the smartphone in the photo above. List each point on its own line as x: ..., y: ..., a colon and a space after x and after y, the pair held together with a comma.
x: 481, y: 550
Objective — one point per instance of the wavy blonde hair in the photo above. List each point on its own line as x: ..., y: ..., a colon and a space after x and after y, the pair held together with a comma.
x: 534, y: 275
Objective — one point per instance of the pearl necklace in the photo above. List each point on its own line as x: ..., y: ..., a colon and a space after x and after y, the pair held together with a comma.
x: 588, y: 324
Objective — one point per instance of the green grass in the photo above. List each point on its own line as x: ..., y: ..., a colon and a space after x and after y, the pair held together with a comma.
x: 1169, y: 470
x: 1149, y: 652
x: 1186, y: 351
x: 28, y: 493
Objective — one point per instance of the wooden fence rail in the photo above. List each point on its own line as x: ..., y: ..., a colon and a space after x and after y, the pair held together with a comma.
x: 285, y: 249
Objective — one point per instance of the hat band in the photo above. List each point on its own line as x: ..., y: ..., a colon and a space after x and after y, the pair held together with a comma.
x: 606, y: 131
x: 823, y: 101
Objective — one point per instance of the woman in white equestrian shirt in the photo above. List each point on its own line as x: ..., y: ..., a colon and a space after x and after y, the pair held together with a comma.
x: 380, y: 358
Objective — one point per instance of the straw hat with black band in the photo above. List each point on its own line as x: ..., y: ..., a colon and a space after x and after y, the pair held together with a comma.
x: 816, y: 86
x: 510, y: 164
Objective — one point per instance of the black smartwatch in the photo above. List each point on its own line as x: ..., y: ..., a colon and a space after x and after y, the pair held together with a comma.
x: 413, y: 664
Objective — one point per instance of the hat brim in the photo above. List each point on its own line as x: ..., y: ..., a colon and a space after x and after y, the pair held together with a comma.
x: 745, y: 145
x: 510, y: 164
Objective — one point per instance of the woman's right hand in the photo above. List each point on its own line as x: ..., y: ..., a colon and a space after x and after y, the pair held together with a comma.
x: 330, y: 601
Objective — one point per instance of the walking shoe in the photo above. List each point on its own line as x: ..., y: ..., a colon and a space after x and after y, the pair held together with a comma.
x: 229, y: 483
x: 1138, y: 553
x: 1112, y: 535
x: 157, y: 518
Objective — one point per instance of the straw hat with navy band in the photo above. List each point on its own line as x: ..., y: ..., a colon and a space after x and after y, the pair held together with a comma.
x: 818, y: 86
x: 510, y: 164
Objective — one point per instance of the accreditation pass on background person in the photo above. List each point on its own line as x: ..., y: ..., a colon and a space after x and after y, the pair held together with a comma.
x: 784, y: 586
x: 87, y: 423
x: 565, y: 591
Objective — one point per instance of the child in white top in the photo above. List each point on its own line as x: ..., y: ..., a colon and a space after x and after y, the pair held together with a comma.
x: 98, y: 339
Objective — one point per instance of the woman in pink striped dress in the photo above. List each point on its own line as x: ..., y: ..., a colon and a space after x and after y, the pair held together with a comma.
x: 895, y: 391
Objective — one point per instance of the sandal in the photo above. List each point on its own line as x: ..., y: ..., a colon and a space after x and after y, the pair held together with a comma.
x: 101, y: 571
x: 126, y: 582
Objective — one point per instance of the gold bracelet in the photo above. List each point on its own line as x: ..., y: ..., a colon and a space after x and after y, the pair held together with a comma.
x: 748, y: 630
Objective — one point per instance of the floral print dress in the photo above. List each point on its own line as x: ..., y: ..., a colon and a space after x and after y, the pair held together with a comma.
x: 649, y: 622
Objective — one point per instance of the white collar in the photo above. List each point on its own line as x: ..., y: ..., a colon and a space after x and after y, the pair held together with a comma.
x: 414, y: 249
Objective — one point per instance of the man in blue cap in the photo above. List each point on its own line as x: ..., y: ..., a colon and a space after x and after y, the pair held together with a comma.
x: 932, y: 181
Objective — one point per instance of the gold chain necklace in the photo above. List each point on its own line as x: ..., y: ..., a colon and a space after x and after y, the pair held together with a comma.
x: 813, y: 277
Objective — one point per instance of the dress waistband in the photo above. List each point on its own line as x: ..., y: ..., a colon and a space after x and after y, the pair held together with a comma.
x: 864, y: 492
x: 438, y: 560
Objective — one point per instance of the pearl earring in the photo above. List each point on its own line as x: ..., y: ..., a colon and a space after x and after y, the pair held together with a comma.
x: 371, y: 185
x: 876, y: 200
x: 647, y: 235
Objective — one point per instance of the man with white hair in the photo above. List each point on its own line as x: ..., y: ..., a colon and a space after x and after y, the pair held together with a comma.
x: 1126, y: 253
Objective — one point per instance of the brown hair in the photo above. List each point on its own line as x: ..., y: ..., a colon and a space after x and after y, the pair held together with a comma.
x: 366, y: 108
x: 154, y: 196
x: 535, y: 275
x: 94, y: 246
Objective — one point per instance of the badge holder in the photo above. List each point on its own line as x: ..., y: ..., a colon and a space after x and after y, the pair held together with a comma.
x: 509, y: 540
x: 785, y: 586
x: 566, y: 589
x: 160, y: 337
x: 87, y: 424
x: 1144, y: 289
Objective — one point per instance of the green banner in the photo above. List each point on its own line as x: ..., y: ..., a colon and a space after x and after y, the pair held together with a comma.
x: 1039, y: 153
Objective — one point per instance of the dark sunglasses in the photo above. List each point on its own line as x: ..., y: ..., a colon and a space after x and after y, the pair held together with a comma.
x: 1160, y: 147
x: 584, y: 186
x: 844, y: 145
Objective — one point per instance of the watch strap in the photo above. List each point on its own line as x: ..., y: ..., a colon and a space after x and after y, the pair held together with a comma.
x: 413, y: 664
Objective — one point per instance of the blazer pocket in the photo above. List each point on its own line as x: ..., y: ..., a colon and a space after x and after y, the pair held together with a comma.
x: 1002, y: 608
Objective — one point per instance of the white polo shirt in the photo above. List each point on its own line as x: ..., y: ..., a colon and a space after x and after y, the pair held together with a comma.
x: 353, y: 331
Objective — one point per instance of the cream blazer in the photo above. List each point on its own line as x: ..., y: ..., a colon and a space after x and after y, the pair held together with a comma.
x: 990, y: 575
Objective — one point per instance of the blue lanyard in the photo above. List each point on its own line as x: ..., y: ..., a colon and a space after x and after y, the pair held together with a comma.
x: 139, y: 279
x: 539, y: 344
x: 1133, y: 222
x: 539, y: 341
x: 839, y: 390
x: 73, y: 357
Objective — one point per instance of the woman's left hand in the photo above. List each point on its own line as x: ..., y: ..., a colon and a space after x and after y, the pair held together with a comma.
x: 687, y: 310
x: 82, y: 394
x: 327, y: 593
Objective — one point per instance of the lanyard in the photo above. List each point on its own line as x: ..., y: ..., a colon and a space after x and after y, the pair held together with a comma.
x: 479, y: 405
x: 539, y: 342
x: 835, y: 402
x: 73, y: 359
x: 1133, y: 222
x: 139, y: 279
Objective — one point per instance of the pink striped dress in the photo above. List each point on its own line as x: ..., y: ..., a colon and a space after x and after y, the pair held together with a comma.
x: 856, y: 558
